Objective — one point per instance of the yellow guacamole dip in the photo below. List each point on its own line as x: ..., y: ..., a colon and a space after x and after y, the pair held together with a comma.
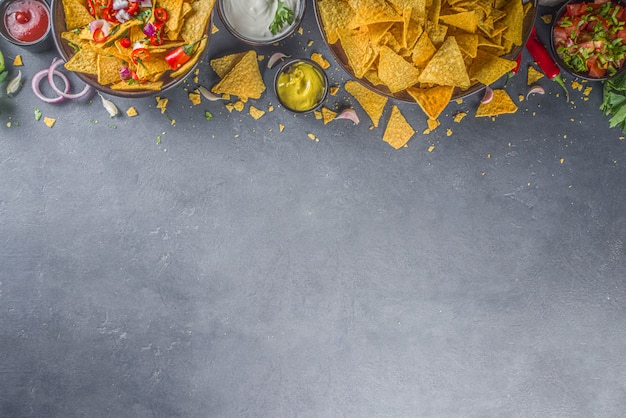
x: 300, y: 87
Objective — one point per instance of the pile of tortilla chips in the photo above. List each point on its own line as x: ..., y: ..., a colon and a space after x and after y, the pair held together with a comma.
x: 187, y: 22
x: 426, y: 48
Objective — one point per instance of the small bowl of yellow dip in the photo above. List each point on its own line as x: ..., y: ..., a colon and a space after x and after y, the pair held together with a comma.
x: 301, y: 85
x: 261, y: 22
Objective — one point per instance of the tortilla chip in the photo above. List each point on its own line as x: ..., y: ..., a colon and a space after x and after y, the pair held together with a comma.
x: 423, y: 51
x: 468, y: 43
x: 533, y: 75
x: 432, y: 100
x: 358, y: 50
x: 124, y: 85
x: 334, y: 15
x: 224, y: 64
x: 395, y: 72
x: 196, y: 22
x: 467, y: 21
x: 108, y: 68
x: 319, y: 58
x: 372, y: 103
x: 514, y: 15
x: 328, y: 115
x: 446, y: 67
x: 487, y: 68
x: 372, y: 11
x: 398, y: 131
x: 244, y: 80
x: 500, y: 104
x: 83, y: 61
x: 76, y: 14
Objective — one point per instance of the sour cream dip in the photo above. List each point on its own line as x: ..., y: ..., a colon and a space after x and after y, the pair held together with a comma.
x: 251, y: 19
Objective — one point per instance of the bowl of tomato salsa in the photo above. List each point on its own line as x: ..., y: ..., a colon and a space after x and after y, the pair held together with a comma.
x: 26, y: 23
x: 588, y: 38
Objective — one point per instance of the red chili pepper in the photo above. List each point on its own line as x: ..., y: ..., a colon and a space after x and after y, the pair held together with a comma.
x: 109, y: 14
x: 99, y: 36
x: 125, y: 42
x: 544, y: 60
x: 515, y: 70
x: 91, y: 8
x: 178, y: 56
x: 156, y: 39
x: 139, y: 55
x: 133, y: 8
x: 160, y: 14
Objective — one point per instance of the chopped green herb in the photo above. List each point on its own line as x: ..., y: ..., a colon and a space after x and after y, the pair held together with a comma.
x: 208, y: 115
x: 112, y: 126
x: 38, y: 114
x: 283, y: 15
x: 158, y: 139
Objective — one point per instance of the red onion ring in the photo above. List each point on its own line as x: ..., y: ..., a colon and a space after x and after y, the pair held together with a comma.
x: 40, y: 76
x: 51, y: 71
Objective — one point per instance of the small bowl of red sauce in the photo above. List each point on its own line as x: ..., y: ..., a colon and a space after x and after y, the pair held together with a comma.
x: 26, y: 23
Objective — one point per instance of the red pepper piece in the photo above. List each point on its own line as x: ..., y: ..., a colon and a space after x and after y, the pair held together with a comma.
x: 91, y: 8
x: 178, y: 56
x: 160, y: 14
x: 133, y: 8
x: 139, y: 55
x: 99, y: 36
x: 544, y: 60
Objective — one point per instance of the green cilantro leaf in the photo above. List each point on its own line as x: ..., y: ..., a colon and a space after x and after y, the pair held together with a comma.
x: 283, y: 15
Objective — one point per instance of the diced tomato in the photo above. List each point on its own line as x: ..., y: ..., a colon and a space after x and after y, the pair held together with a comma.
x: 577, y: 9
x: 594, y: 70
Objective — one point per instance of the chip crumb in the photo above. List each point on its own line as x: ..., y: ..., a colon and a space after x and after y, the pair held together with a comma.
x: 577, y: 86
x: 300, y: 30
x: 49, y: 121
x: 173, y: 122
x: 432, y: 124
x: 214, y: 29
x: 520, y: 97
x: 194, y: 97
x: 333, y: 90
x: 562, y: 160
x: 239, y: 105
x: 310, y: 43
x: 328, y: 115
x: 431, y: 148
x: 196, y: 79
x: 317, y: 114
x: 9, y: 124
x: 547, y: 19
x: 196, y: 71
x: 281, y: 127
x: 564, y: 136
x: 256, y: 113
x: 459, y: 101
x: 426, y: 131
x: 230, y: 107
x: 482, y: 173
x: 448, y: 132
x: 313, y: 137
x: 17, y: 62
x: 318, y: 58
x: 131, y: 111
x: 270, y: 108
x: 458, y: 117
x: 162, y: 103
x: 488, y: 155
x: 587, y: 90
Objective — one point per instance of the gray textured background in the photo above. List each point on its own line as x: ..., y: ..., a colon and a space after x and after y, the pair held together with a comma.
x: 234, y: 271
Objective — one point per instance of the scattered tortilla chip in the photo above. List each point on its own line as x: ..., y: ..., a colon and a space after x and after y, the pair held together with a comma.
x: 49, y: 121
x: 373, y: 103
x: 328, y: 115
x: 500, y: 104
x: 398, y: 131
x: 533, y: 75
x: 432, y: 100
x: 131, y: 112
x: 487, y: 68
x: 194, y: 97
x: 256, y: 113
x: 17, y: 62
x: 223, y: 65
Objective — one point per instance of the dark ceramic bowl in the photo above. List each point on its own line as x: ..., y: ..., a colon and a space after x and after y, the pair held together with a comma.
x: 42, y: 44
x: 559, y: 60
x: 298, y: 14
x: 286, y: 67
x: 66, y: 52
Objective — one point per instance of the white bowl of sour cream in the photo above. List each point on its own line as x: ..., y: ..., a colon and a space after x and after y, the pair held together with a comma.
x: 260, y: 22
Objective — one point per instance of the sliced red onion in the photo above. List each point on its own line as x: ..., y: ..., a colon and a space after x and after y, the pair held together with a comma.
x: 488, y: 95
x: 122, y: 16
x: 43, y: 74
x: 119, y: 4
x: 145, y: 3
x: 125, y: 73
x: 100, y: 24
x: 349, y: 114
x: 149, y: 29
x: 536, y: 89
x: 55, y: 63
x: 274, y: 58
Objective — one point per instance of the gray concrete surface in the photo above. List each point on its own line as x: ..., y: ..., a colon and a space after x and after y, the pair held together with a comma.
x: 235, y: 271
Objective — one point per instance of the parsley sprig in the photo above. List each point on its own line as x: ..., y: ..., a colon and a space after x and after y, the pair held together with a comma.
x: 283, y: 15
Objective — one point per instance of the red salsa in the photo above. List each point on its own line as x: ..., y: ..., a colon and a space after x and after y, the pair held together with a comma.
x: 26, y: 20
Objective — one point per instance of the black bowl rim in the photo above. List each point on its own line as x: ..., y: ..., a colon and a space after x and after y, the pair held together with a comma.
x: 314, y: 64
x: 63, y: 50
x: 458, y: 94
x: 296, y: 24
x: 556, y: 56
